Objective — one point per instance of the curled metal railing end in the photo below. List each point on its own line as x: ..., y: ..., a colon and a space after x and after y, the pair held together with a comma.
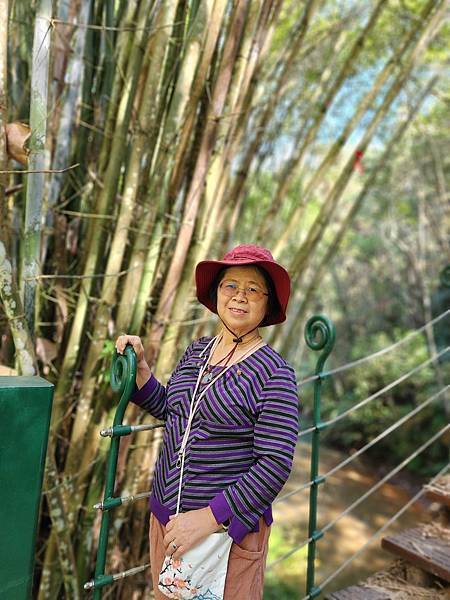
x: 320, y: 334
x: 122, y: 369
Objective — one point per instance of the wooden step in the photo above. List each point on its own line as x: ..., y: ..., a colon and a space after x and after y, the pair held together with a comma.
x: 359, y: 592
x: 439, y: 490
x: 426, y: 547
x: 399, y: 580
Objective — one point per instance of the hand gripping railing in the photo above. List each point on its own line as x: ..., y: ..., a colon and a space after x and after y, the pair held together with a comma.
x: 320, y: 334
x: 123, y: 377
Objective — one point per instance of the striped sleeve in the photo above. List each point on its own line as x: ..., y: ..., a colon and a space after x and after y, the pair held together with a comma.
x: 275, y: 438
x: 152, y: 396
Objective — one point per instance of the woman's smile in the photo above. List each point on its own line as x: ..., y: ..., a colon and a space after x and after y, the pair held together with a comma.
x: 237, y: 311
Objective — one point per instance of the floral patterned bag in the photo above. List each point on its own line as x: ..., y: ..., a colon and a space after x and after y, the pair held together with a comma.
x: 200, y: 573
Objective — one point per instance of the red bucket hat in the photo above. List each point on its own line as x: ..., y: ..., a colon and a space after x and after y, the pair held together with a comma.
x: 245, y: 254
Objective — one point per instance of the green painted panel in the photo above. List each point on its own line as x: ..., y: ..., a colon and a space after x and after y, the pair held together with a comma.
x: 25, y: 409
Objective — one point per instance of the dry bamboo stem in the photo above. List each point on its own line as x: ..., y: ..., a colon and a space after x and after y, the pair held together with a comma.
x: 4, y: 217
x: 36, y: 159
x: 194, y: 194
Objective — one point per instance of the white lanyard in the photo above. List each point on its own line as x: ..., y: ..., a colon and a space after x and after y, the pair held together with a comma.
x: 195, y: 402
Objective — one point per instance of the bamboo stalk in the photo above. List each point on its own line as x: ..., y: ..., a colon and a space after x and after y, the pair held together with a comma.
x: 324, y: 106
x: 84, y: 407
x: 4, y: 216
x: 36, y: 158
x: 331, y: 251
x: 389, y: 68
x: 95, y: 241
x: 319, y: 225
x: 115, y: 257
x: 155, y: 93
x: 286, y: 65
x: 255, y: 37
x: 194, y: 194
x: 73, y: 78
x: 73, y: 348
x: 12, y: 304
x: 291, y: 166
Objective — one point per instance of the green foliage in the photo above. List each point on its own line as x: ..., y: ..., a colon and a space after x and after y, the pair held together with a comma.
x: 372, y: 419
x: 282, y: 581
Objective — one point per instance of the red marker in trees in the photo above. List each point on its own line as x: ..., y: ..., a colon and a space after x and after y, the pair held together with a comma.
x: 357, y: 165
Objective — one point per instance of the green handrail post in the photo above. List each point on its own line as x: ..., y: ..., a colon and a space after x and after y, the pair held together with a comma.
x: 123, y: 377
x: 320, y: 334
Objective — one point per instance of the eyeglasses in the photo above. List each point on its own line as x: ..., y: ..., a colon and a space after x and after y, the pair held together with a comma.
x: 251, y: 292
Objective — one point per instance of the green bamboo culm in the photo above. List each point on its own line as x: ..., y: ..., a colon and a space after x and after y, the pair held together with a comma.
x: 36, y: 159
x: 320, y: 334
x: 123, y: 377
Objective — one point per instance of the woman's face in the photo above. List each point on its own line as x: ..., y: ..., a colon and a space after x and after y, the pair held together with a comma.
x: 240, y: 313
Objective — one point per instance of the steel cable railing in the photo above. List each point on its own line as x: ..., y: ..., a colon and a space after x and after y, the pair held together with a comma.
x: 378, y: 393
x: 398, y: 514
x: 398, y: 468
x: 379, y: 437
x: 376, y: 354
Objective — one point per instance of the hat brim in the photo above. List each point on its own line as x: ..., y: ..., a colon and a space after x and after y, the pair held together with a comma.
x: 207, y: 270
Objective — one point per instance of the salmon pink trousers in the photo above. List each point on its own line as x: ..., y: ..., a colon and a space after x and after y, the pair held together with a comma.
x: 245, y: 575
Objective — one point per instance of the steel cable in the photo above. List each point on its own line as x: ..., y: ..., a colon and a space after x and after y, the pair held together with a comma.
x: 384, y: 479
x: 364, y: 359
x: 376, y: 534
x: 364, y: 496
x: 328, y: 526
x: 367, y: 446
x: 376, y: 394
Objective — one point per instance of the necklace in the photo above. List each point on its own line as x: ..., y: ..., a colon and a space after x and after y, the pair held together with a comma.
x: 208, y: 371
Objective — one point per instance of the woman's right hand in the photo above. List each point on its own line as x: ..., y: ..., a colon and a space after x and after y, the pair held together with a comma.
x: 134, y: 341
x: 143, y: 372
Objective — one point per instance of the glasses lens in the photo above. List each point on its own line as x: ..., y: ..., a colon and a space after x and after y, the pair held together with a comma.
x: 229, y: 288
x: 253, y: 293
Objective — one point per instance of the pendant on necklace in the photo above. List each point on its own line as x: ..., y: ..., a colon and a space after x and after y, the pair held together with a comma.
x: 207, y: 378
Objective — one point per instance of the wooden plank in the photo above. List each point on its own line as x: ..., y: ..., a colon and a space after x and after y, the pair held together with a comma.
x: 439, y: 490
x: 422, y: 549
x: 359, y: 592
x: 438, y: 496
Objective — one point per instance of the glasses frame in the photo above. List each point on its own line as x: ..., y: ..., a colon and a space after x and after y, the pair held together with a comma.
x: 243, y: 290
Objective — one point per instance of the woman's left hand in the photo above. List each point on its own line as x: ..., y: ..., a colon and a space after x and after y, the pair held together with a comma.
x: 188, y: 529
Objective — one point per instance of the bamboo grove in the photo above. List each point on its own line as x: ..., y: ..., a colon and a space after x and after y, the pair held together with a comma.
x: 145, y: 129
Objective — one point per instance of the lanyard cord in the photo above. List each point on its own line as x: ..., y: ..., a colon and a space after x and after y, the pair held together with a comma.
x: 195, y: 402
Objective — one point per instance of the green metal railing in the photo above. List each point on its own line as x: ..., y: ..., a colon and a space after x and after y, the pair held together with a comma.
x: 320, y: 334
x: 123, y: 377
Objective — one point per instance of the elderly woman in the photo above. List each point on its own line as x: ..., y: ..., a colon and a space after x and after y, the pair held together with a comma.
x: 242, y: 435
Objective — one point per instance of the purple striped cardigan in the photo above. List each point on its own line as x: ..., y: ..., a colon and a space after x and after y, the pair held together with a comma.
x: 242, y: 440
